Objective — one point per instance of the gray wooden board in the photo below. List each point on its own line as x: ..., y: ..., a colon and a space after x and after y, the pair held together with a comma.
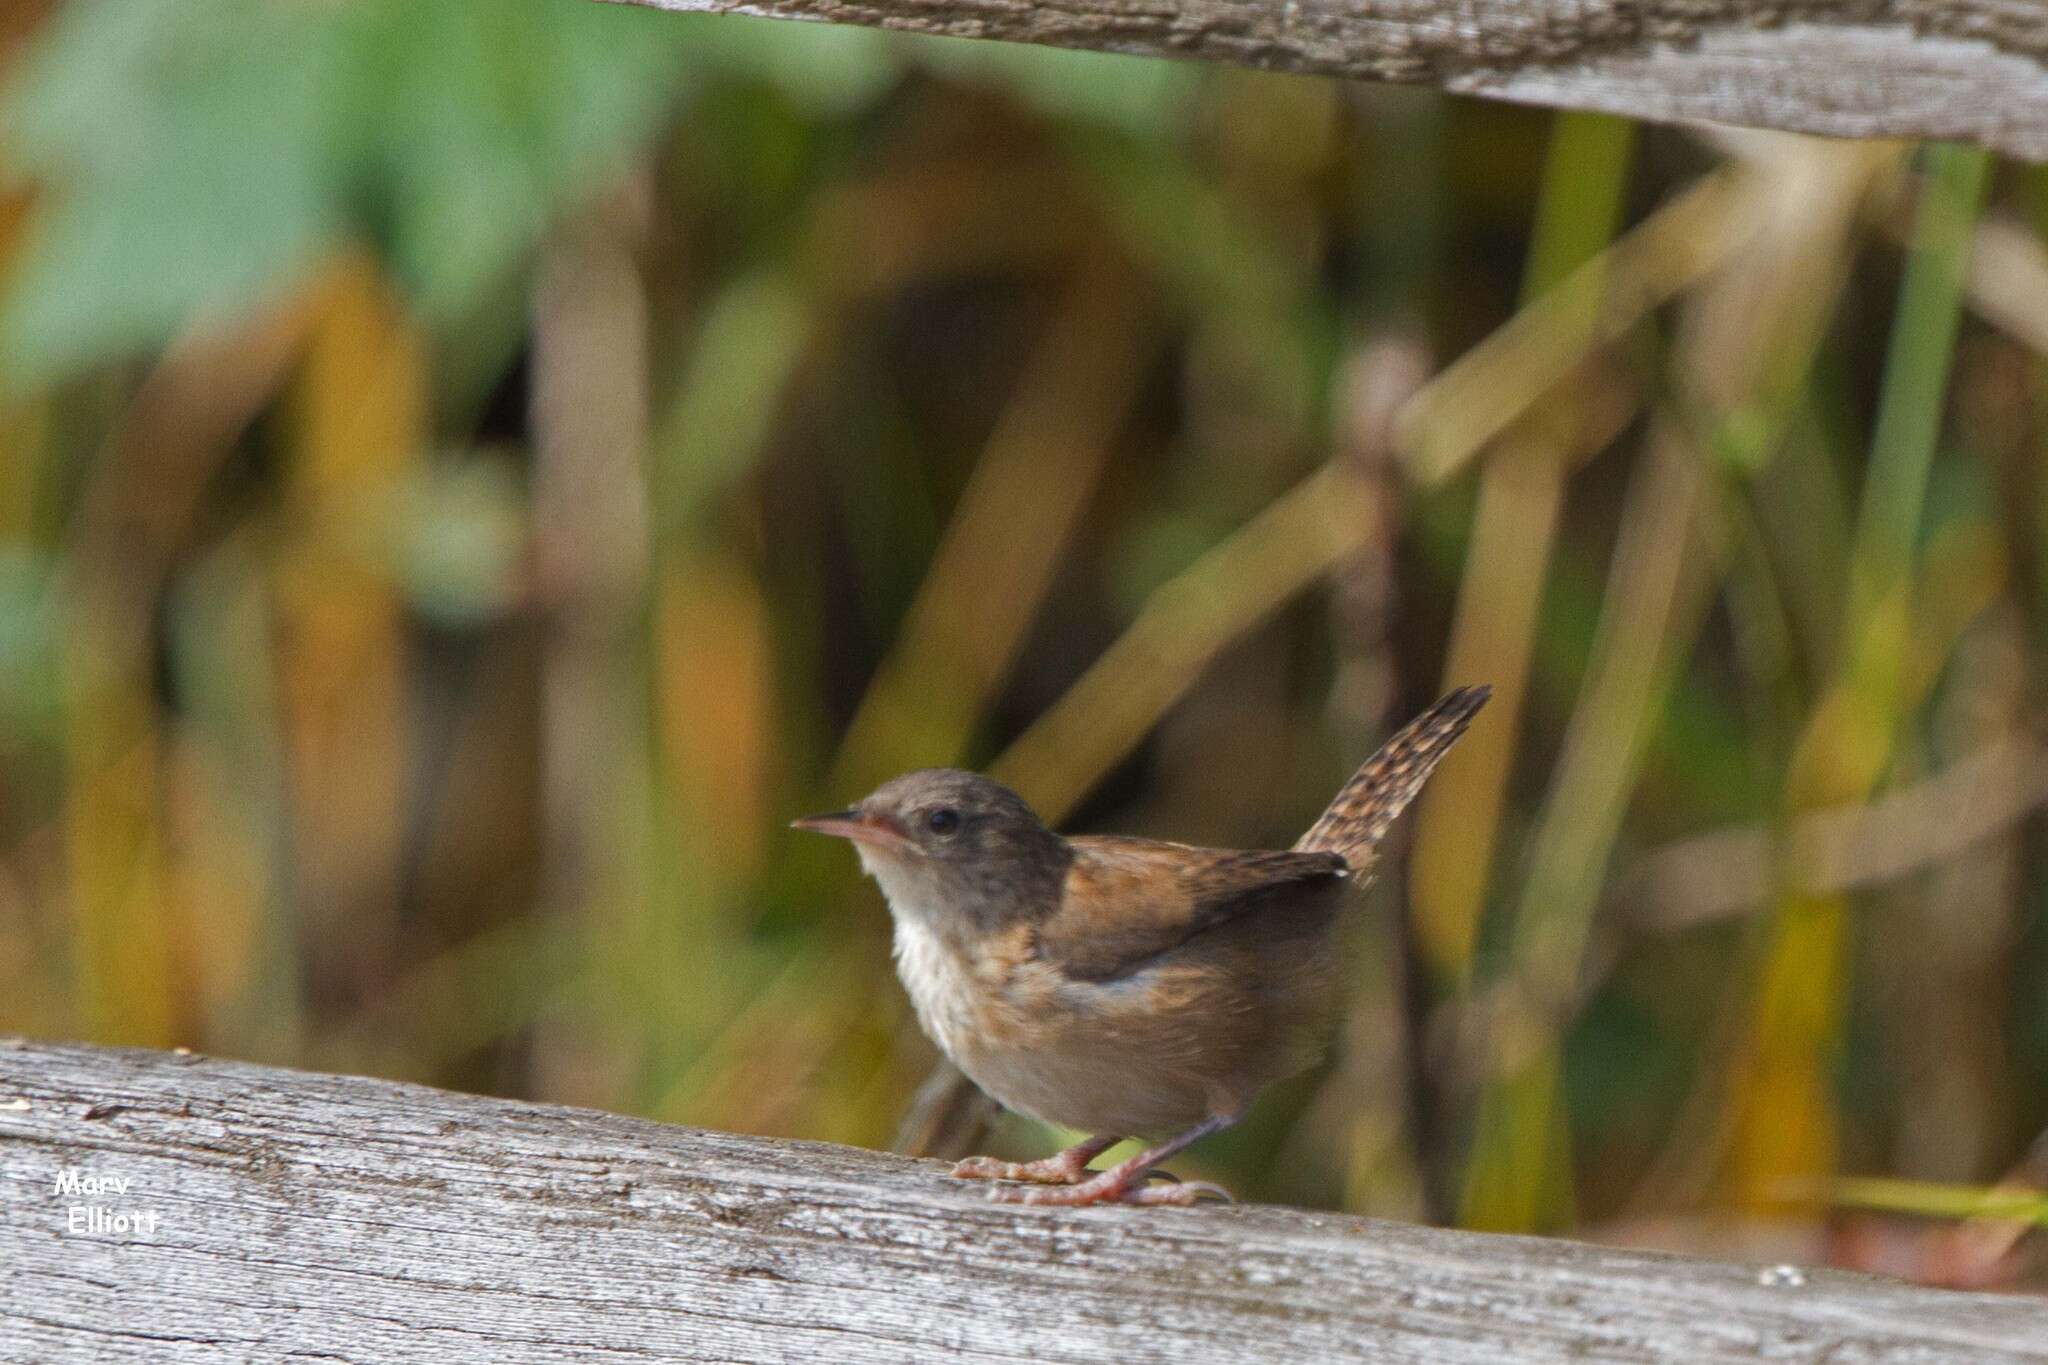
x: 308, y: 1217
x: 1975, y: 70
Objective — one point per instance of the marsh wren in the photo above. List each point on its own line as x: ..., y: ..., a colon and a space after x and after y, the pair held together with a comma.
x: 1123, y: 987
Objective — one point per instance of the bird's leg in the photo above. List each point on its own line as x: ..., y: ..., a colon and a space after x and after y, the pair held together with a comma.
x: 1062, y: 1169
x: 1125, y: 1181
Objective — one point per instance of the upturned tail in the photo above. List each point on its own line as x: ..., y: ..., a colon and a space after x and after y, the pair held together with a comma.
x: 1360, y: 815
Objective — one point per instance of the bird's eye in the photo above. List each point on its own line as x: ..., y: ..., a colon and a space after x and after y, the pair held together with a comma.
x: 943, y: 821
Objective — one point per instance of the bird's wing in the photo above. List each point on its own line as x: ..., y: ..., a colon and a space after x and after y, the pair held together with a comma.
x: 1127, y: 901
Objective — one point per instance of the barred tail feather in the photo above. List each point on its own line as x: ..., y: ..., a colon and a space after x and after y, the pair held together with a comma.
x: 1360, y: 815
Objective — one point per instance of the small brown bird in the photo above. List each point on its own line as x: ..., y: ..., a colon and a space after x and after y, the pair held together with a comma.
x: 1124, y: 987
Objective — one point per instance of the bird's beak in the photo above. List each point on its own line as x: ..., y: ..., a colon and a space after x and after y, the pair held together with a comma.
x: 856, y: 825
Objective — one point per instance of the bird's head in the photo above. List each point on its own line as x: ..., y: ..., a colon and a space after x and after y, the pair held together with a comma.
x: 953, y: 848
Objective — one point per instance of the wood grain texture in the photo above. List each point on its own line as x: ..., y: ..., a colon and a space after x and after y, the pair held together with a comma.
x: 1975, y: 70
x: 306, y: 1217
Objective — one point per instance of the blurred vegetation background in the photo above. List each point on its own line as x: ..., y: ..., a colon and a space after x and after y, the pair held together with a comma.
x: 471, y: 472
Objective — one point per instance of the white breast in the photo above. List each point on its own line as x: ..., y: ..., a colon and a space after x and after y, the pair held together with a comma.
x: 941, y: 988
x: 1041, y: 1047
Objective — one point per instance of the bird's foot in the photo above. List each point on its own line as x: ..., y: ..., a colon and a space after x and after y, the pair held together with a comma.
x: 1123, y: 1183
x: 1052, y: 1170
x: 1063, y: 1168
x: 1116, y: 1187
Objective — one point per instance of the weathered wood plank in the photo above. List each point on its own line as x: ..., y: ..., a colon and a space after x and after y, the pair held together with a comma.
x: 307, y: 1217
x: 1975, y: 70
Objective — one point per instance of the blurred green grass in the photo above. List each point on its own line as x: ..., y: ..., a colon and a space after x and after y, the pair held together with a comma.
x: 464, y: 484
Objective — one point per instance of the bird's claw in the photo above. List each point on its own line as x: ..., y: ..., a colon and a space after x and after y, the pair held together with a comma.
x: 1050, y: 1171
x: 1180, y: 1194
x: 1174, y: 1193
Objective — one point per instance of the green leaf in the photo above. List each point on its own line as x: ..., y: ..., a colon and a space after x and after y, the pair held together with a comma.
x: 175, y: 185
x: 482, y: 120
x: 30, y: 704
x: 1931, y: 1200
x: 1140, y: 96
x: 826, y: 70
x: 725, y: 394
x: 196, y: 155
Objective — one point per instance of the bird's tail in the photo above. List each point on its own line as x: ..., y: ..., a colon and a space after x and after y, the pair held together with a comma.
x: 1359, y: 815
